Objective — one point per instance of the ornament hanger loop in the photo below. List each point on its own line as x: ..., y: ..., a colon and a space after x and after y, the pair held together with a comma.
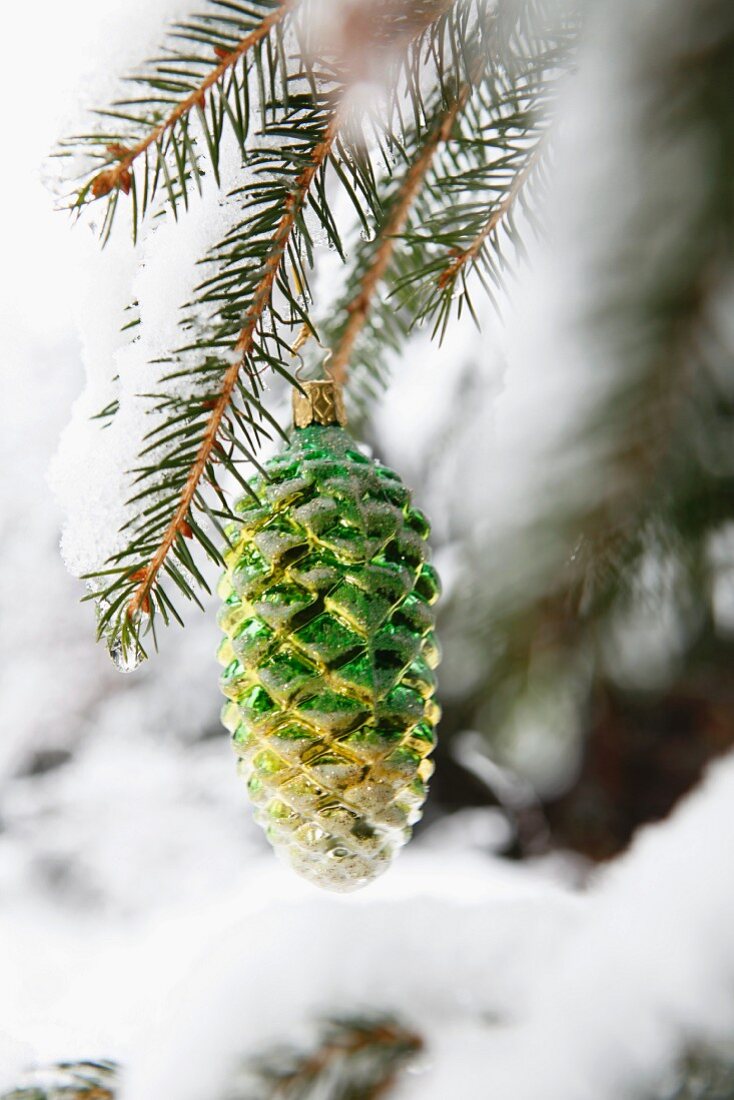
x: 328, y: 353
x: 302, y: 365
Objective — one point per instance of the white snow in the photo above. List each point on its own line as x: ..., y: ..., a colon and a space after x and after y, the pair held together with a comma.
x: 91, y: 471
x: 521, y: 989
x: 650, y: 965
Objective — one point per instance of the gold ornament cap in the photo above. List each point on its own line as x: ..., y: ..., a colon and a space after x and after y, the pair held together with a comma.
x: 321, y: 402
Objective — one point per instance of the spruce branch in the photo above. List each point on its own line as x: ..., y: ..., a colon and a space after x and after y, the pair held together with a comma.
x: 457, y: 121
x: 180, y: 521
x: 213, y: 419
x: 359, y: 307
x: 91, y: 1080
x: 467, y: 257
x: 168, y: 134
x: 355, y: 1058
x: 478, y: 150
x: 465, y: 217
x: 119, y: 176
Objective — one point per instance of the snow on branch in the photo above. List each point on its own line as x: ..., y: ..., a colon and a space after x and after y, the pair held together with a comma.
x: 455, y: 79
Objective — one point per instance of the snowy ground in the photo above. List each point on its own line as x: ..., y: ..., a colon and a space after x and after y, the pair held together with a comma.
x: 521, y: 986
x: 142, y: 916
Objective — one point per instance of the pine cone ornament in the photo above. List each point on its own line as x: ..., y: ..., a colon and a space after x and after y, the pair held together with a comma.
x: 329, y: 651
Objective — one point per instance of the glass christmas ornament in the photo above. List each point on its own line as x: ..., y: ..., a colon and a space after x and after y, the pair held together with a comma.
x: 329, y: 650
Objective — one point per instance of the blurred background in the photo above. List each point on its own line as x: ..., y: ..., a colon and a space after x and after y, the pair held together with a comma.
x: 576, y: 458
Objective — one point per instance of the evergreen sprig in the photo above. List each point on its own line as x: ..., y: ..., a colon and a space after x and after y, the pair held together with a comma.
x: 355, y: 1058
x: 96, y: 1080
x: 466, y: 216
x: 214, y: 420
x: 458, y: 179
x: 210, y: 417
x: 457, y: 128
x: 168, y: 131
x: 358, y: 1058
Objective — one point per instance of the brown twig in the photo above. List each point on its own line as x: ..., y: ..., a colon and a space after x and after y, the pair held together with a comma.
x: 261, y: 299
x: 119, y: 176
x: 469, y: 255
x: 359, y: 308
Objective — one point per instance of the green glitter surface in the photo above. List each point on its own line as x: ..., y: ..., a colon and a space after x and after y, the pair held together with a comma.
x: 328, y: 656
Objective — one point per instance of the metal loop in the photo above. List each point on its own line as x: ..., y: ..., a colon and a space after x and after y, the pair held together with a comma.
x: 325, y: 362
x: 301, y: 366
x: 302, y: 363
